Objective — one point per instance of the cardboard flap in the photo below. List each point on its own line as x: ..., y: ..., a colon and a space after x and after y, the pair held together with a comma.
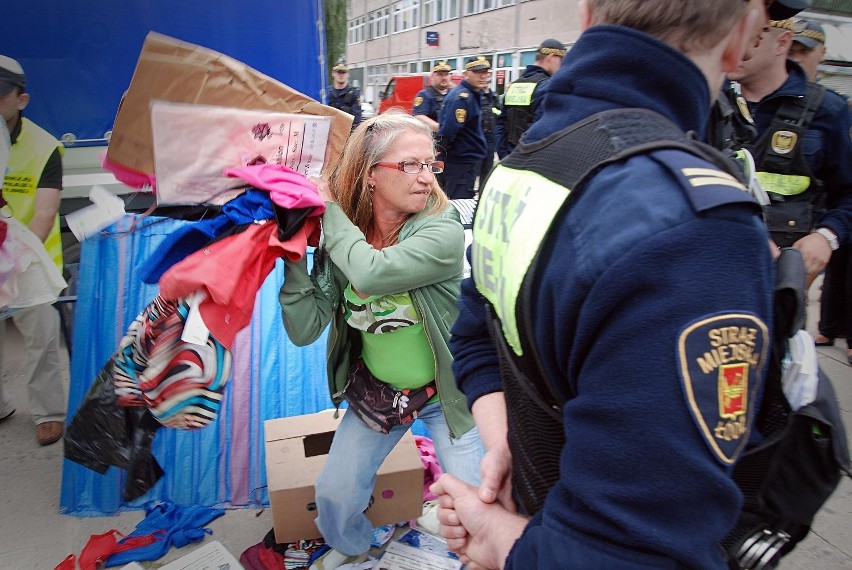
x: 173, y: 70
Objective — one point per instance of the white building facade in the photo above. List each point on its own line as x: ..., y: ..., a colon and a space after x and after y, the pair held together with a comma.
x: 409, y: 36
x: 387, y: 38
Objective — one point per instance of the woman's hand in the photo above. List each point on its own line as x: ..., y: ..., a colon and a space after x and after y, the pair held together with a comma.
x: 322, y: 188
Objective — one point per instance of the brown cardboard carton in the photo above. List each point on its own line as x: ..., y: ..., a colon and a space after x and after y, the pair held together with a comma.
x: 296, y: 450
x: 173, y: 70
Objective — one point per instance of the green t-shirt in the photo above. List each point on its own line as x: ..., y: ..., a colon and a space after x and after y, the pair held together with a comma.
x: 395, y: 347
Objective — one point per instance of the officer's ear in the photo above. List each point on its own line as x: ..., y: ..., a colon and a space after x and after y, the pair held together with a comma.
x: 738, y: 39
x: 584, y: 13
x: 23, y: 100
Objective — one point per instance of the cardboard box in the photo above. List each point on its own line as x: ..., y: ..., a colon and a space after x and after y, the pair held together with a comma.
x: 296, y: 451
x: 169, y: 69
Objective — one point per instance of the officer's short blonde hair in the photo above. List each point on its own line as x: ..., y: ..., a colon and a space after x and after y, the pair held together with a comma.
x: 686, y: 25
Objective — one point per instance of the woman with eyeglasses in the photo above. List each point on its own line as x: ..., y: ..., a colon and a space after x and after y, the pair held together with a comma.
x: 386, y: 276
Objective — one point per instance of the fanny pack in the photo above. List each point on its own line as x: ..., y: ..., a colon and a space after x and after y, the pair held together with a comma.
x: 788, y: 222
x: 381, y: 406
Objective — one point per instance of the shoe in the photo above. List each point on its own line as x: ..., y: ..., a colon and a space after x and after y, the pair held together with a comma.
x: 49, y: 432
x: 821, y: 340
x: 7, y: 416
x: 334, y: 559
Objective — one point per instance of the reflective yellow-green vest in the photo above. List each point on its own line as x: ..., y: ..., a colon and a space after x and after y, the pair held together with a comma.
x: 27, y: 159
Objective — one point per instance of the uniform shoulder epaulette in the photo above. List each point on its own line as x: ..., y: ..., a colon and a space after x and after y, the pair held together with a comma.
x: 706, y: 185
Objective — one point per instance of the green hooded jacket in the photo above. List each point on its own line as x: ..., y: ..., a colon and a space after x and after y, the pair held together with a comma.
x: 427, y: 262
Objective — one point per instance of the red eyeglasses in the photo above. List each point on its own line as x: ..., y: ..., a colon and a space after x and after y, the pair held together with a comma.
x: 414, y: 166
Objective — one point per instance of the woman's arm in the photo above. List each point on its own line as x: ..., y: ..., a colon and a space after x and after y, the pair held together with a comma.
x: 304, y: 306
x: 431, y: 255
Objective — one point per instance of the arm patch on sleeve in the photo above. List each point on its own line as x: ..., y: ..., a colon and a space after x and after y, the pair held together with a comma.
x: 721, y: 361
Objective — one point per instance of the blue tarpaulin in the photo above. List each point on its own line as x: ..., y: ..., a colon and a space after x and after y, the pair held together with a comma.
x: 223, y: 463
x: 79, y: 57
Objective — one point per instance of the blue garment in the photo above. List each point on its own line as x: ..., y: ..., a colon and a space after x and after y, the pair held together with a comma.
x: 427, y: 103
x: 461, y: 137
x: 177, y: 525
x: 348, y: 100
x: 501, y: 140
x: 248, y: 207
x: 827, y: 146
x: 630, y: 265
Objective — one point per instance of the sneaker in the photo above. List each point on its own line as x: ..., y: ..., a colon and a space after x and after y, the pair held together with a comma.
x: 49, y: 432
x: 7, y: 416
x: 334, y: 558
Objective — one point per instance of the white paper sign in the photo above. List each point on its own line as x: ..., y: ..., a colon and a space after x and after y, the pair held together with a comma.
x: 106, y: 209
x: 193, y: 144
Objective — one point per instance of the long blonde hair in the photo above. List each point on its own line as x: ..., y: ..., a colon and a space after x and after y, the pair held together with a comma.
x: 366, y: 146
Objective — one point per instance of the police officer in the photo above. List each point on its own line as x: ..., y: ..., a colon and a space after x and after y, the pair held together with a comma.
x: 808, y: 49
x: 803, y: 151
x: 731, y: 125
x: 522, y: 100
x: 343, y: 96
x: 461, y: 140
x: 592, y: 307
x: 428, y: 101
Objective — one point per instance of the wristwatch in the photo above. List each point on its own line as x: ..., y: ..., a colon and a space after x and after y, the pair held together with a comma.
x: 830, y: 236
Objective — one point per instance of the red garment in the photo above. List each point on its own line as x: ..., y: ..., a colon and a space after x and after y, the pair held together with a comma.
x: 100, y: 546
x: 230, y: 272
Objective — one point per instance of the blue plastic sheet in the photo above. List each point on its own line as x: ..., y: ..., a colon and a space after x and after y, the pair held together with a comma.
x: 223, y: 463
x: 79, y: 56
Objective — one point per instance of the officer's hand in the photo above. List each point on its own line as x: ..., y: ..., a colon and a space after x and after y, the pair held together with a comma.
x: 481, y: 534
x: 496, y: 470
x: 815, y: 251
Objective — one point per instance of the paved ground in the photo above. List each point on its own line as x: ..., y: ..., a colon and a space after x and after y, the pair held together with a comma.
x: 34, y: 535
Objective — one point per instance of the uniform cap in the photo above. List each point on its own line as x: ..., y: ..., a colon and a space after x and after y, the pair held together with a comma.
x: 783, y: 9
x: 442, y: 66
x: 782, y: 24
x: 808, y: 33
x: 477, y: 64
x: 340, y: 67
x: 552, y: 47
x: 11, y: 75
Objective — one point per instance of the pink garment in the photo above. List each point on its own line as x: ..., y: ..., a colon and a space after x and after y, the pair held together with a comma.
x: 132, y: 178
x: 432, y: 469
x: 287, y: 187
x: 230, y: 272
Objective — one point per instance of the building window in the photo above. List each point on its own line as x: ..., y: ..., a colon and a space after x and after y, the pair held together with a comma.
x: 405, y: 15
x: 477, y: 6
x: 435, y: 11
x: 527, y: 58
x: 356, y: 30
x: 379, y: 23
x: 377, y: 74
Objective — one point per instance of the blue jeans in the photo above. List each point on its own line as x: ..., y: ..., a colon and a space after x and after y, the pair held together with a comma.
x: 344, y: 487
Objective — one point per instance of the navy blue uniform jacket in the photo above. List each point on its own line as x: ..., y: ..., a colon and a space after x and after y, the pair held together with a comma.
x: 828, y: 146
x: 460, y: 132
x: 504, y: 147
x: 626, y: 269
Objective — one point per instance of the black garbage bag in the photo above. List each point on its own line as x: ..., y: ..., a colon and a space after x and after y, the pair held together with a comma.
x: 102, y: 434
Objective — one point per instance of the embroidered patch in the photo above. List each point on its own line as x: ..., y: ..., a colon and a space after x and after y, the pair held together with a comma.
x: 744, y: 110
x: 783, y: 142
x: 464, y: 95
x: 721, y: 359
x: 461, y: 115
x: 418, y: 101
